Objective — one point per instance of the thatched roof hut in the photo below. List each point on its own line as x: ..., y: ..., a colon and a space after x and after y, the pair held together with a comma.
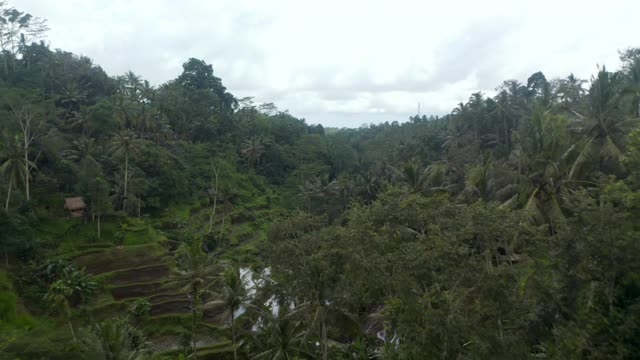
x: 75, y: 205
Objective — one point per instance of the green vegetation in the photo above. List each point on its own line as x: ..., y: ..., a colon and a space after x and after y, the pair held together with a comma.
x: 211, y: 227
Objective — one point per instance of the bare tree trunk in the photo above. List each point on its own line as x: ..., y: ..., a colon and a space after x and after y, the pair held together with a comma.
x: 25, y: 118
x: 26, y: 165
x: 99, y: 233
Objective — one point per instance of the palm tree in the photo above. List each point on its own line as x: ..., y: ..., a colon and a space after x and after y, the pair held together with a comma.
x: 13, y: 167
x: 115, y: 339
x: 535, y: 175
x: 138, y: 186
x: 72, y: 97
x: 122, y: 109
x: 277, y: 334
x: 200, y: 271
x: 252, y: 149
x: 570, y: 90
x: 310, y: 190
x: 123, y: 144
x: 604, y: 126
x: 431, y: 179
x: 631, y: 66
x: 72, y: 288
x: 58, y: 296
x: 84, y: 151
x: 134, y: 85
x: 316, y: 188
x: 233, y: 297
x: 81, y: 119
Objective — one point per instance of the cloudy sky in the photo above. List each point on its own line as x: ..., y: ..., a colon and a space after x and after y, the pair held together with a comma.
x: 347, y: 62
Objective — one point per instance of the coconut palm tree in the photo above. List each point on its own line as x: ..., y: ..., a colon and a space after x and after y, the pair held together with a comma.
x: 252, y: 149
x: 80, y: 119
x: 13, y: 166
x: 278, y: 333
x: 84, y: 151
x: 631, y: 88
x: 134, y: 85
x: 122, y: 109
x: 58, y: 296
x: 536, y: 172
x: 73, y: 287
x: 72, y: 97
x: 570, y: 90
x: 115, y: 339
x: 603, y: 127
x: 233, y: 296
x: 198, y: 271
x: 123, y: 144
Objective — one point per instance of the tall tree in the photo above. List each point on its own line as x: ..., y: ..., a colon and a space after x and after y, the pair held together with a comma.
x: 199, y: 270
x: 232, y: 297
x: 16, y: 28
x: 124, y: 144
x: 28, y: 118
x: 13, y: 167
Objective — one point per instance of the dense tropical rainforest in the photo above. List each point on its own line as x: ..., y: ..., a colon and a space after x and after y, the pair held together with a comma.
x: 178, y: 221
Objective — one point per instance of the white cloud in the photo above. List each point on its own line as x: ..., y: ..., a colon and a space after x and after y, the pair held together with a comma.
x: 344, y: 63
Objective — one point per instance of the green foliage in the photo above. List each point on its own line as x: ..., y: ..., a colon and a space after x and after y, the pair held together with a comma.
x: 505, y: 229
x: 140, y: 308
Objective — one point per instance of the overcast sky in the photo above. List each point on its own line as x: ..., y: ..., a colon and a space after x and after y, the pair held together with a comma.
x: 347, y: 62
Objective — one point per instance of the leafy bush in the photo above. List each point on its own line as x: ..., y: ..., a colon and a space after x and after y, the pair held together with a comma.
x: 141, y: 307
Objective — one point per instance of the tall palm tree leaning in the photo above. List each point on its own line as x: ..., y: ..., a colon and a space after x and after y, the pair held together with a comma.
x: 13, y: 167
x: 125, y: 143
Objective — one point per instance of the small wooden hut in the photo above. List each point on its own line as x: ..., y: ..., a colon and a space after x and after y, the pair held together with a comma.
x: 75, y: 206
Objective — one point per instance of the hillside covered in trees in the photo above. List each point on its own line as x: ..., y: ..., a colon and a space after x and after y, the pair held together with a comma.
x: 179, y: 221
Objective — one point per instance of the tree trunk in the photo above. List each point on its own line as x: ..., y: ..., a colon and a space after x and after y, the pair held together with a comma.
x: 139, y: 206
x: 194, y: 316
x: 233, y: 337
x: 215, y: 199
x: 99, y: 233
x: 26, y: 165
x: 507, y: 136
x: 224, y: 214
x: 325, y: 342
x: 126, y: 179
x: 73, y: 333
x: 68, y: 312
x: 213, y: 213
x: 6, y: 204
x: 194, y: 322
